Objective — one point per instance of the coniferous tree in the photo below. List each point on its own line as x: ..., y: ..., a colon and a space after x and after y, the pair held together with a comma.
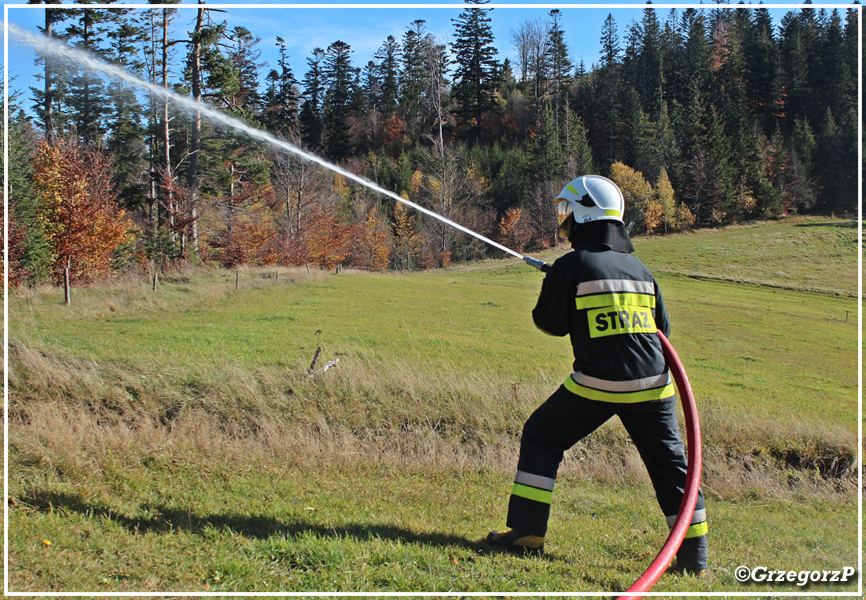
x: 29, y: 251
x: 558, y: 62
x: 310, y: 118
x: 760, y: 74
x: 125, y: 139
x: 795, y: 51
x: 803, y: 190
x: 476, y: 67
x: 54, y: 75
x: 607, y: 92
x: 339, y: 93
x: 280, y: 113
x: 243, y: 56
x: 387, y: 71
x: 86, y: 94
x: 650, y: 68
x: 411, y: 79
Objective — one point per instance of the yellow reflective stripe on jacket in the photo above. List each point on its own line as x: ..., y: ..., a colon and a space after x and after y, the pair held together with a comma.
x: 531, y: 493
x: 614, y: 300
x: 697, y: 530
x: 620, y: 397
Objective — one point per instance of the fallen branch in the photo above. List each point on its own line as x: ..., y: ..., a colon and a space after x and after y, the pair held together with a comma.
x: 327, y: 366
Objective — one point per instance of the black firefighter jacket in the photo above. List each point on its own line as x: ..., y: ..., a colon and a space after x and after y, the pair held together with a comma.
x: 611, y: 306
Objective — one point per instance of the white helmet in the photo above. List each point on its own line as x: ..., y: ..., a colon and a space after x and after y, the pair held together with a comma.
x: 588, y: 198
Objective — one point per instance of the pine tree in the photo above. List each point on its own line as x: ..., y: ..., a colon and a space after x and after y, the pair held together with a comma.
x: 558, y: 63
x: 29, y: 250
x: 651, y: 65
x: 310, y: 118
x: 795, y: 52
x: 387, y: 71
x: 54, y: 74
x: 761, y: 73
x: 281, y: 97
x: 86, y: 94
x: 803, y: 189
x: 609, y: 88
x: 411, y: 79
x: 243, y: 57
x: 579, y: 160
x: 125, y: 140
x: 476, y: 67
x: 338, y: 76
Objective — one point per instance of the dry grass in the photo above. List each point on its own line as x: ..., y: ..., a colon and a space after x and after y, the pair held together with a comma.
x: 76, y: 420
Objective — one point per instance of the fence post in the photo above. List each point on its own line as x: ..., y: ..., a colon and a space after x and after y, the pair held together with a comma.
x: 66, y: 290
x: 237, y: 279
x: 155, y: 279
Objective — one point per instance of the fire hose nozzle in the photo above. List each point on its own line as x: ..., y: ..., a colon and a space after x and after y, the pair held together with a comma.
x: 538, y: 264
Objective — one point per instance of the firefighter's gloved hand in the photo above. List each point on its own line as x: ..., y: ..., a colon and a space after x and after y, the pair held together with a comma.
x: 538, y: 264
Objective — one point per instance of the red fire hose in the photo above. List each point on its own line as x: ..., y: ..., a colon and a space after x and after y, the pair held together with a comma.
x: 693, y: 479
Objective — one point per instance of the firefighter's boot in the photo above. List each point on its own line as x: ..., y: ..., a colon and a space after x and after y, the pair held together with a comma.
x: 516, y: 542
x: 692, y: 557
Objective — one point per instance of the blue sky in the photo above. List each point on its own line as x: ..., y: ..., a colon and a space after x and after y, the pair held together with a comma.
x: 365, y: 29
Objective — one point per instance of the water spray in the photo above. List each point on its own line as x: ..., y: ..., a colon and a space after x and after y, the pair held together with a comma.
x: 47, y: 46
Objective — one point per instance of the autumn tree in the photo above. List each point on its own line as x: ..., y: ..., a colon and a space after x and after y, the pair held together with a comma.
x: 407, y: 240
x: 514, y: 230
x: 81, y: 219
x: 374, y: 245
x: 638, y: 194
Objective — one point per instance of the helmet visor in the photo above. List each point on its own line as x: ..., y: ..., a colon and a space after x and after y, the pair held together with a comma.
x: 563, y: 211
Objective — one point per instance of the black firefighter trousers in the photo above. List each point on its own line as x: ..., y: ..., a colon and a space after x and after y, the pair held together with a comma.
x: 563, y: 420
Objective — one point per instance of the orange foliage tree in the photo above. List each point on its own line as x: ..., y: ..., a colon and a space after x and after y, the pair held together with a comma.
x: 514, y: 231
x: 17, y: 274
x: 374, y: 246
x: 407, y: 241
x: 245, y: 229
x: 327, y: 240
x: 79, y: 212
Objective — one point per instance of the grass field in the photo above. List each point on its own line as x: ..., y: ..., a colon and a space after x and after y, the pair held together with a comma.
x: 174, y: 441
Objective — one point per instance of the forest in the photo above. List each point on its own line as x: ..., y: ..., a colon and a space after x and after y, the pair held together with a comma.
x: 703, y: 118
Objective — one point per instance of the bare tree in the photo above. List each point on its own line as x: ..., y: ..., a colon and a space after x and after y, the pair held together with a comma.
x: 530, y: 43
x: 299, y: 185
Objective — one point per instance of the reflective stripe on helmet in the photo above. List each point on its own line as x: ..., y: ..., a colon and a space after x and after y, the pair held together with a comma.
x: 589, y: 198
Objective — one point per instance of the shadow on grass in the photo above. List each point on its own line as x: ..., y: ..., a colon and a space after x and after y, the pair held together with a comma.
x: 164, y: 519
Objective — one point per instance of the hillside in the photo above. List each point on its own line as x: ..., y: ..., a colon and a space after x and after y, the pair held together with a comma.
x: 175, y: 441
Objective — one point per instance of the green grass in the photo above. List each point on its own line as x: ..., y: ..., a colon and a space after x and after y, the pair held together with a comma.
x: 175, y: 442
x: 815, y: 254
x: 256, y: 527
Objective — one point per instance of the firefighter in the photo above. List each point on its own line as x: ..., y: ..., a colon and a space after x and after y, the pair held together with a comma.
x: 608, y: 302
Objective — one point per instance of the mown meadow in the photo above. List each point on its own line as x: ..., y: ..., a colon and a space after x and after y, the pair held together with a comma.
x: 177, y: 440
